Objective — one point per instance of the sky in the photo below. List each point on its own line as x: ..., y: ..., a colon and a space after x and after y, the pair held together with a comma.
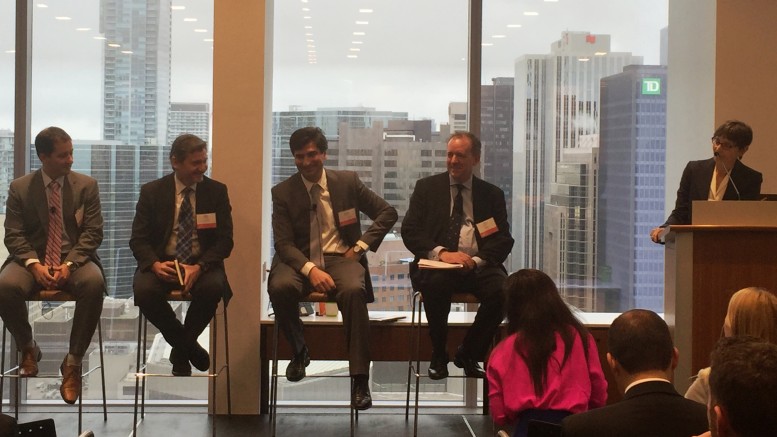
x: 411, y: 58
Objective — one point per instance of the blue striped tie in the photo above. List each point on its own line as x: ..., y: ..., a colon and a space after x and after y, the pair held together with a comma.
x: 183, y: 247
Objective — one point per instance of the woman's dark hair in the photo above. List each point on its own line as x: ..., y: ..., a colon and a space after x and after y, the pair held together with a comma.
x: 536, y: 312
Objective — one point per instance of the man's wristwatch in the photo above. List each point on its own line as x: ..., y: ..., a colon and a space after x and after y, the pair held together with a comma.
x: 71, y: 266
x: 358, y: 250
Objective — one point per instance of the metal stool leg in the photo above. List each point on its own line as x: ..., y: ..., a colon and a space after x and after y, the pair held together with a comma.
x: 137, y: 377
x: 2, y: 370
x: 417, y: 310
x: 226, y: 352
x: 274, y: 381
x: 102, y: 369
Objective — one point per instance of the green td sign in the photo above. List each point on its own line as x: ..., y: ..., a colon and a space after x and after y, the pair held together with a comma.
x: 651, y: 86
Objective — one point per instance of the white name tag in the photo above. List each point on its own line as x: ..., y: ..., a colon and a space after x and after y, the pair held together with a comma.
x: 206, y: 221
x: 487, y: 227
x: 347, y: 217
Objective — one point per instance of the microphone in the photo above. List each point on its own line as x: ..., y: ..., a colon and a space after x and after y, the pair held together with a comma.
x: 730, y: 179
x: 53, y: 210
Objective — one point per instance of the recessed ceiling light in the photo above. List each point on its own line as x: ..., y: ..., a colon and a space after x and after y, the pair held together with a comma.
x: 304, y: 1
x: 42, y: 5
x: 190, y: 19
x: 83, y: 29
x: 113, y: 44
x: 498, y: 36
x: 310, y: 40
x: 311, y: 46
x: 177, y: 8
x: 583, y: 59
x: 305, y: 9
x: 551, y: 1
x: 98, y: 37
x: 362, y: 22
x: 308, y: 34
x: 201, y: 30
x: 365, y: 11
x: 308, y: 27
x: 63, y: 18
x: 353, y: 56
x: 531, y: 14
x: 600, y: 53
x: 208, y: 39
x: 359, y: 33
x: 311, y: 51
x: 12, y: 51
x: 487, y: 44
x: 307, y: 17
x: 513, y: 26
x: 357, y: 42
x: 127, y: 52
x: 354, y: 49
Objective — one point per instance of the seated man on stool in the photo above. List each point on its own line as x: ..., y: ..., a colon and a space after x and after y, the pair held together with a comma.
x: 458, y: 218
x: 185, y: 218
x: 319, y: 246
x: 53, y: 227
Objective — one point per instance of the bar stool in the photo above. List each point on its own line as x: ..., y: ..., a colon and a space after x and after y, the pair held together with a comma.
x: 53, y: 296
x: 414, y: 365
x: 313, y: 297
x: 141, y: 375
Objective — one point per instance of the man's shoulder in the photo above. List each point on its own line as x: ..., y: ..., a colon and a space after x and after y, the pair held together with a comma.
x: 212, y: 184
x: 478, y: 183
x: 26, y: 179
x: 157, y: 183
x: 81, y: 178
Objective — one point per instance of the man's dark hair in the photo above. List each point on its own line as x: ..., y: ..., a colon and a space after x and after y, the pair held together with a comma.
x: 735, y: 131
x: 304, y: 136
x: 640, y: 341
x: 474, y: 140
x: 186, y: 144
x: 45, y: 140
x: 743, y: 382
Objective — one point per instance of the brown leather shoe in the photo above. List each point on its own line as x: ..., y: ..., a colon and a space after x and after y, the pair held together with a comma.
x: 71, y: 382
x: 30, y: 358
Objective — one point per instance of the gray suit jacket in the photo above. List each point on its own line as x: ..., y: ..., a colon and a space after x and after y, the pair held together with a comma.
x: 27, y: 218
x: 291, y: 217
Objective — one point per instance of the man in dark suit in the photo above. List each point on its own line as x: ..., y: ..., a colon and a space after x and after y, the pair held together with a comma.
x: 53, y: 227
x: 457, y: 218
x: 743, y: 388
x: 184, y: 218
x: 642, y: 359
x: 722, y: 177
x: 8, y: 426
x: 319, y: 245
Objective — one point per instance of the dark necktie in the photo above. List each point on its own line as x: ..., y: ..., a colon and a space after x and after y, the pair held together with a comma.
x: 183, y: 247
x: 54, y: 242
x: 456, y: 221
x: 316, y: 251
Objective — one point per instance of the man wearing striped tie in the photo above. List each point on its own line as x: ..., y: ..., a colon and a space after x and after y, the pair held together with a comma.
x: 53, y: 227
x: 181, y: 234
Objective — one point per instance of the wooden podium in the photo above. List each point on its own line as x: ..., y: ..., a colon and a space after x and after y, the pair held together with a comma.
x: 704, y: 265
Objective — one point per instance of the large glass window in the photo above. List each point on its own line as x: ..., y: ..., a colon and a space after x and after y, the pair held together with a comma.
x: 123, y: 78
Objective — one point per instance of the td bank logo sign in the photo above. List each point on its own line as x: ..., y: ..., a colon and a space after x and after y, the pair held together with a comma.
x: 651, y: 86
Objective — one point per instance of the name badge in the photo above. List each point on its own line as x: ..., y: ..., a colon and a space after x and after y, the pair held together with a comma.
x: 206, y: 221
x: 347, y: 217
x: 487, y: 227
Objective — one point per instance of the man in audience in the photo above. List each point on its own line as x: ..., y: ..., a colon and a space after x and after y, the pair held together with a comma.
x: 181, y: 234
x: 642, y: 359
x: 743, y: 388
x: 320, y: 246
x: 53, y: 227
x: 7, y: 426
x: 458, y: 218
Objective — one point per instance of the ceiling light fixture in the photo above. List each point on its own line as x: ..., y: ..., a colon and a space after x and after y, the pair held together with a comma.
x: 531, y: 14
x: 359, y: 33
x: 365, y: 11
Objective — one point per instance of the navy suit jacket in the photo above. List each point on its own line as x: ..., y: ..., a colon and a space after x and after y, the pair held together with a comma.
x: 291, y: 218
x: 649, y: 409
x: 695, y: 185
x: 155, y: 215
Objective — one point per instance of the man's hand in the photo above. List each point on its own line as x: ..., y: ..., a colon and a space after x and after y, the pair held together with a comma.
x: 42, y: 275
x: 655, y: 234
x: 458, y: 258
x: 165, y: 271
x: 61, y: 275
x: 320, y: 280
x: 351, y: 255
x: 191, y: 274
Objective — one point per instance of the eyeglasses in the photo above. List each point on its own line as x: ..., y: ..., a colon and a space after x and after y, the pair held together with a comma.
x: 723, y: 144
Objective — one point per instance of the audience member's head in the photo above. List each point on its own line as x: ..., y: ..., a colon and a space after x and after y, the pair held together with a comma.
x: 743, y: 388
x: 735, y: 131
x: 640, y: 346
x: 752, y: 311
x: 536, y: 310
x: 184, y: 145
x: 304, y: 136
x: 45, y: 140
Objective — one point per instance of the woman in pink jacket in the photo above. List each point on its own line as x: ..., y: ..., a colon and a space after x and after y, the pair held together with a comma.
x: 548, y: 367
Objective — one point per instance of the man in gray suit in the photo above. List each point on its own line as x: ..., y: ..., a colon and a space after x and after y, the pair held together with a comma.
x: 319, y: 245
x: 53, y: 227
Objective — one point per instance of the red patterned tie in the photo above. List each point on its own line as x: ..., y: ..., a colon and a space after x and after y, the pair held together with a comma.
x: 54, y: 243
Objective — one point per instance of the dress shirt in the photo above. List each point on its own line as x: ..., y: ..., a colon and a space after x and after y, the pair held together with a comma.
x: 66, y: 245
x: 640, y: 381
x: 467, y: 242
x: 717, y: 193
x: 173, y: 241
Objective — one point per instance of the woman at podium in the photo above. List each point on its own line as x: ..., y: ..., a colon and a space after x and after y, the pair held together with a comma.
x: 722, y: 177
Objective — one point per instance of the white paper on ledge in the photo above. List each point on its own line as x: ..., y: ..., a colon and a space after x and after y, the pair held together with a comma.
x: 424, y: 263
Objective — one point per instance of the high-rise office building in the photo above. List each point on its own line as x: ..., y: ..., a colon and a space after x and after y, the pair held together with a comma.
x: 188, y: 118
x: 457, y: 116
x: 556, y: 102
x: 6, y: 165
x: 496, y: 135
x: 136, y: 79
x: 631, y: 184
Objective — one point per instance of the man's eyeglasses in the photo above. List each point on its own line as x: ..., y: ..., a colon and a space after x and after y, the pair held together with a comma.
x: 722, y: 143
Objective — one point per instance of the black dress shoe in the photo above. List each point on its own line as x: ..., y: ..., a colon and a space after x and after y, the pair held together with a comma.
x: 360, y: 397
x: 469, y: 364
x: 199, y: 357
x: 296, y: 368
x: 180, y: 362
x: 438, y: 368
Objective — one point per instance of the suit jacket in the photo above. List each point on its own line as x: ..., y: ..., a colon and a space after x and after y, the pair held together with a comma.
x: 155, y: 215
x: 426, y: 221
x: 695, y: 185
x: 649, y: 409
x: 27, y: 218
x: 291, y: 218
